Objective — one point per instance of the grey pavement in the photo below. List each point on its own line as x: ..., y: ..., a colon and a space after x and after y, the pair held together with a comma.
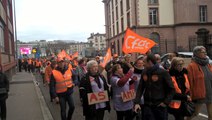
x: 23, y: 102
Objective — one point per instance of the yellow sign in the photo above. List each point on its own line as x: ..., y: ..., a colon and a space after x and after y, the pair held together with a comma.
x: 34, y: 50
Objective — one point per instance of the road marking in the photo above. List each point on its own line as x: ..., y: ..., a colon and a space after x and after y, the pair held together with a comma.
x: 203, y: 115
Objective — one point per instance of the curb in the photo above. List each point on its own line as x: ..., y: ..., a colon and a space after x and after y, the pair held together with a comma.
x: 44, y: 108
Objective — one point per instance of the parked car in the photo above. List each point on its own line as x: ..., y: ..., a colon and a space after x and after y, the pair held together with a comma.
x: 186, y: 55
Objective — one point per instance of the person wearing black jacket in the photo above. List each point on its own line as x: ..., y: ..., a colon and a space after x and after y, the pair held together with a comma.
x: 4, y: 89
x: 182, y: 87
x: 90, y: 83
x: 157, y: 88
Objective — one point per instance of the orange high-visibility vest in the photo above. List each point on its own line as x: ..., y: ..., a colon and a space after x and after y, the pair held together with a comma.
x: 176, y: 103
x: 29, y: 61
x: 38, y: 63
x: 70, y: 67
x: 63, y: 82
x: 75, y: 63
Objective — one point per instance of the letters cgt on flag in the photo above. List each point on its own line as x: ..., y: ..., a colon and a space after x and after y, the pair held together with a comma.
x: 135, y: 43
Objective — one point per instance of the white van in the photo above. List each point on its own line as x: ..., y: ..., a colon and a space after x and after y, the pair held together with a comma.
x: 186, y: 55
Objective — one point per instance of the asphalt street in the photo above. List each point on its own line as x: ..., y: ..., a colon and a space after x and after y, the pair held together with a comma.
x: 78, y: 115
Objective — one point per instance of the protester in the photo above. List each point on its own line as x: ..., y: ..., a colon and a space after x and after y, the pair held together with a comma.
x: 4, y: 89
x: 61, y: 87
x: 138, y: 68
x: 48, y: 72
x: 158, y: 58
x: 167, y: 64
x: 182, y: 88
x: 25, y: 64
x: 81, y: 70
x: 121, y: 83
x: 200, y: 78
x: 90, y: 83
x: 126, y: 63
x: 29, y: 64
x: 20, y: 65
x: 110, y: 64
x: 157, y: 88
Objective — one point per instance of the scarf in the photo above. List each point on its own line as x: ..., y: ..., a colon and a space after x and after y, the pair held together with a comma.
x: 201, y: 61
x: 96, y: 78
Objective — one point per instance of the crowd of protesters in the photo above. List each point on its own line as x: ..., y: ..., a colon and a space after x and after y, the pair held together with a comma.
x: 159, y: 87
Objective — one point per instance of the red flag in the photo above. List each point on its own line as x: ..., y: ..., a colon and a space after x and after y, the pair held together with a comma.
x: 75, y: 55
x: 136, y: 43
x: 62, y: 54
x: 107, y: 58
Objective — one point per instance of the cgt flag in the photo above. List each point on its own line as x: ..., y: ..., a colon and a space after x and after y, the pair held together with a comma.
x: 107, y: 58
x: 135, y: 43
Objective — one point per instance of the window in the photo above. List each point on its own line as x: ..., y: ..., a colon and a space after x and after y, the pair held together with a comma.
x: 121, y: 6
x: 113, y: 30
x: 112, y: 4
x: 2, y: 37
x: 128, y: 4
x: 122, y: 45
x: 10, y: 43
x: 122, y: 24
x: 153, y: 16
x: 155, y: 37
x: 117, y: 13
x: 153, y: 1
x: 110, y: 32
x: 203, y: 13
x: 8, y: 8
x: 117, y: 27
x: 128, y: 19
x: 112, y: 16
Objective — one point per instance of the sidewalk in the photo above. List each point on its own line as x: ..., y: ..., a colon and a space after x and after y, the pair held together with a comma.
x: 25, y: 99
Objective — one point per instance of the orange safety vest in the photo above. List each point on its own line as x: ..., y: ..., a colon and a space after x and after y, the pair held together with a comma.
x: 29, y: 61
x: 176, y: 103
x: 70, y: 67
x: 38, y: 63
x: 63, y: 82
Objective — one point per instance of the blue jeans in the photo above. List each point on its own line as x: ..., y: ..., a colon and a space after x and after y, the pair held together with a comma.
x: 63, y: 100
x: 154, y: 113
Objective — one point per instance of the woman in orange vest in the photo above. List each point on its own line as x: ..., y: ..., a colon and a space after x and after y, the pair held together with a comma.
x: 181, y: 85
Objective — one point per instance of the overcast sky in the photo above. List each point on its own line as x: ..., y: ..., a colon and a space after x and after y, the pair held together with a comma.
x: 59, y: 19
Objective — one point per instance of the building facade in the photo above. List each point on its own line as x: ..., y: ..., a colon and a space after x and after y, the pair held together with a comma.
x: 98, y: 41
x: 175, y: 25
x: 7, y: 51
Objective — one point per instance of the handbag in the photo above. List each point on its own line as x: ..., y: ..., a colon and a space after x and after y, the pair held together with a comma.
x: 188, y: 108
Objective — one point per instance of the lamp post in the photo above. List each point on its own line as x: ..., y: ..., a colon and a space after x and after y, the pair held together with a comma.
x: 15, y: 32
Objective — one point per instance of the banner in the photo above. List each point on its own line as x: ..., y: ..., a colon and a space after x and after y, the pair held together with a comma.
x: 135, y: 43
x: 97, y: 97
x: 128, y: 95
x: 107, y: 58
